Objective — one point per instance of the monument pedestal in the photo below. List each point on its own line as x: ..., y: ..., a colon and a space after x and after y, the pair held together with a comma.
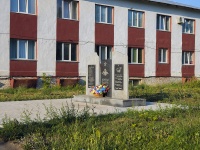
x: 110, y: 101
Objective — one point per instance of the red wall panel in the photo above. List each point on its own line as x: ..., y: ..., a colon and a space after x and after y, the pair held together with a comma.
x: 188, y: 70
x: 23, y: 68
x: 23, y: 26
x: 163, y: 40
x: 104, y: 34
x: 188, y: 42
x: 67, y: 30
x: 67, y: 69
x: 136, y: 70
x: 136, y: 37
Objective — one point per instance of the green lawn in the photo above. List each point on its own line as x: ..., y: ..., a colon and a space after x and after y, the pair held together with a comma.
x: 172, y: 128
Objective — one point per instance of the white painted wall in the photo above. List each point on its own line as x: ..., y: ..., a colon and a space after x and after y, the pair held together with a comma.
x: 176, y: 47
x: 120, y: 31
x: 46, y: 37
x: 197, y: 49
x: 4, y: 38
x: 150, y: 44
x: 86, y: 34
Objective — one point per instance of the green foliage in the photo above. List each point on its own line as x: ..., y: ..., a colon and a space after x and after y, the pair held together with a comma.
x: 172, y: 128
x: 46, y: 81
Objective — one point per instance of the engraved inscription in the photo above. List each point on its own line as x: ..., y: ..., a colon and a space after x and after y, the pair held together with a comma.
x: 119, y: 77
x: 91, y: 76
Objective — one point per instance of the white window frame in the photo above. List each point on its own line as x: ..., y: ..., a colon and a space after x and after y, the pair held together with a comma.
x: 190, y: 23
x: 132, y: 19
x: 106, y: 51
x: 26, y: 50
x: 70, y: 10
x: 106, y: 14
x: 27, y: 2
x: 163, y: 18
x: 161, y: 52
x: 189, y: 57
x: 70, y: 52
x: 137, y: 49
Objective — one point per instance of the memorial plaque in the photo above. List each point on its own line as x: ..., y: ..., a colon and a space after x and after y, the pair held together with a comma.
x: 106, y: 73
x: 91, y: 76
x: 119, y: 77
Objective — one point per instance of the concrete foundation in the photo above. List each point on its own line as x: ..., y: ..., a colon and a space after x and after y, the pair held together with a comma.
x: 110, y: 101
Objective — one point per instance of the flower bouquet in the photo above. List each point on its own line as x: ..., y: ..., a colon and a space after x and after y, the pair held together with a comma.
x: 100, y: 90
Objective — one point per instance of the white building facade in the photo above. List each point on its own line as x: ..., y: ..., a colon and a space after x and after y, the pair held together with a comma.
x: 161, y: 39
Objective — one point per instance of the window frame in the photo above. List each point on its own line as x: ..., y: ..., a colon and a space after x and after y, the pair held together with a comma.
x: 26, y: 7
x: 137, y: 55
x: 161, y: 52
x: 70, y: 52
x: 106, y: 14
x: 138, y: 18
x: 99, y: 53
x: 70, y: 11
x: 26, y: 50
x: 190, y: 58
x: 184, y: 28
x: 159, y: 19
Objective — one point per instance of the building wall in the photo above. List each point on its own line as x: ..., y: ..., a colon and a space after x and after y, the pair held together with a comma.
x: 46, y: 37
x: 86, y: 34
x: 4, y: 37
x: 197, y: 49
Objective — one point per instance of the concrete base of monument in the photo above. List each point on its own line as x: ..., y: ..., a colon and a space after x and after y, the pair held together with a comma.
x: 110, y: 101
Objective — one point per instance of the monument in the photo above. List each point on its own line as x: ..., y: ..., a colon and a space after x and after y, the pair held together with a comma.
x: 114, y: 73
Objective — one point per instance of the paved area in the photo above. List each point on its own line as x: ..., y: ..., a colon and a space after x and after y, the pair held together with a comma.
x: 38, y: 108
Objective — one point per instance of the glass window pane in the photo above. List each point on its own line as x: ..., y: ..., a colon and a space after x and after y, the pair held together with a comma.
x: 74, y: 10
x: 73, y: 52
x: 66, y: 51
x: 13, y: 48
x: 31, y: 50
x: 167, y: 23
x: 109, y: 52
x: 14, y: 5
x: 59, y: 51
x: 135, y: 19
x: 160, y: 55
x: 97, y: 50
x: 66, y: 9
x: 109, y: 15
x: 139, y: 55
x: 134, y: 55
x: 129, y: 55
x: 129, y: 18
x: 22, y: 5
x: 59, y: 8
x: 140, y: 19
x: 22, y: 48
x: 191, y: 26
x: 103, y: 53
x: 158, y: 21
x: 191, y: 58
x: 164, y: 55
x: 31, y: 6
x: 97, y: 13
x: 103, y: 14
x: 186, y: 58
x: 162, y: 23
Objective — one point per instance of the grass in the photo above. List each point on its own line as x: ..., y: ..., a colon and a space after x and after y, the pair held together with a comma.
x: 66, y: 128
x: 21, y: 93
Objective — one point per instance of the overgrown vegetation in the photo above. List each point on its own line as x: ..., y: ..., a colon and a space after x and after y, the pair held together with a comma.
x: 174, y: 128
x: 54, y: 92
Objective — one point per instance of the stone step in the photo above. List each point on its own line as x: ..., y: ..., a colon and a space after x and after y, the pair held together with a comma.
x: 110, y: 101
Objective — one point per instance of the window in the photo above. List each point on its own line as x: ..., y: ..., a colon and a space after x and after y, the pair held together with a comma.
x: 135, y: 18
x: 23, y: 6
x: 103, y: 14
x: 188, y: 26
x: 162, y: 56
x: 104, y: 52
x: 163, y: 22
x: 187, y: 58
x: 22, y: 49
x: 66, y: 52
x: 67, y: 9
x: 135, y: 55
